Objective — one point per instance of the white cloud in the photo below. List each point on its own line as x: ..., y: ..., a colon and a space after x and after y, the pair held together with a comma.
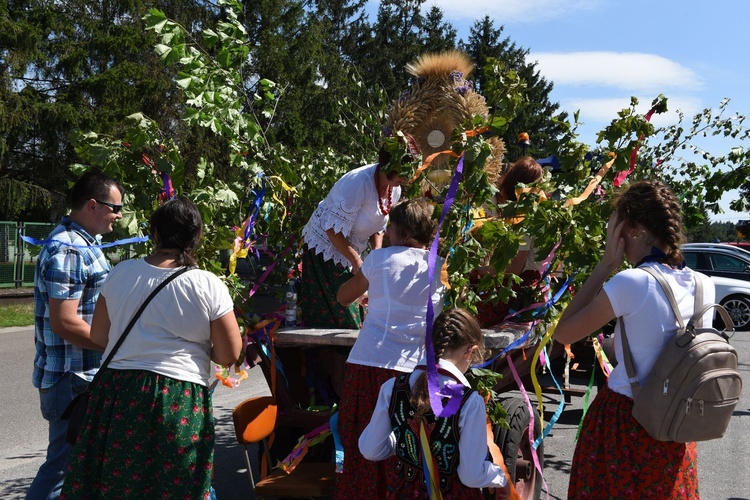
x: 604, y: 110
x: 630, y: 71
x: 511, y: 11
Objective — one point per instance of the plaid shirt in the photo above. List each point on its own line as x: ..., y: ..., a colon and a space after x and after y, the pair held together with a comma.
x: 68, y: 273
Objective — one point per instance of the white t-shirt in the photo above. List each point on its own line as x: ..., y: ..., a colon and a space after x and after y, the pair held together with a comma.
x: 639, y: 299
x: 173, y: 335
x: 394, y: 329
x: 378, y: 440
x: 351, y: 208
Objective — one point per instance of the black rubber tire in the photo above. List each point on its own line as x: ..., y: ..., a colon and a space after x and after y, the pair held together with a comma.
x: 738, y: 307
x: 514, y: 444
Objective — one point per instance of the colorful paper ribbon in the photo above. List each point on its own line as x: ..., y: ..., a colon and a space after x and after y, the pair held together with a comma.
x: 315, y: 436
x: 452, y: 391
x: 621, y: 176
x: 125, y: 241
x: 429, y: 464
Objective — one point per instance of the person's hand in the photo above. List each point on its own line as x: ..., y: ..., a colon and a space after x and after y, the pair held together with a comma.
x: 615, y: 249
x: 356, y: 266
x: 363, y: 300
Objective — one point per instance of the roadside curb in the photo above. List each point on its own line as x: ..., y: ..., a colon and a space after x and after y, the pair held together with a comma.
x: 16, y: 329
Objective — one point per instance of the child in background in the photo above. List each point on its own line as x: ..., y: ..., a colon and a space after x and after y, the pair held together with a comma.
x: 403, y: 404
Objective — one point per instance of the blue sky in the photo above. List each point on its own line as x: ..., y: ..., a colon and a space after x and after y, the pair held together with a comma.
x: 599, y: 53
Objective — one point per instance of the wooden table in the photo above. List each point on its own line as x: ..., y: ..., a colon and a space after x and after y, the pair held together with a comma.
x: 494, y: 338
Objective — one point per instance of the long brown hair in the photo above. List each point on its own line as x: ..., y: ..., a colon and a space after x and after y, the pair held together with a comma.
x: 453, y: 328
x: 525, y: 170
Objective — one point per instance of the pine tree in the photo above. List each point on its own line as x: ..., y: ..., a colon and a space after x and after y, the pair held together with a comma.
x: 535, y: 117
x: 78, y: 65
x: 437, y: 35
x: 394, y: 44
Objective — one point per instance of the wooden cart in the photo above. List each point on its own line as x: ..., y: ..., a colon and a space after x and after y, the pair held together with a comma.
x: 308, y: 356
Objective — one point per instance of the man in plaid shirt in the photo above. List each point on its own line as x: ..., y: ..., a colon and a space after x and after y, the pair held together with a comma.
x: 69, y: 273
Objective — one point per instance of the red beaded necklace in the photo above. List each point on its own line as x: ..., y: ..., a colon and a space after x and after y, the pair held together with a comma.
x: 385, y: 210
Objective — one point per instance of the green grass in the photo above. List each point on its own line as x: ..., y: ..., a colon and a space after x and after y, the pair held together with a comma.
x: 17, y: 314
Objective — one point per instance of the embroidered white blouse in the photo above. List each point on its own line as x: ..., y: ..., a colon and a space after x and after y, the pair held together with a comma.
x: 351, y: 208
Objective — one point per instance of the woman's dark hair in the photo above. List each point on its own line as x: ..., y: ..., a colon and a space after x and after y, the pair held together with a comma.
x: 652, y: 207
x: 385, y: 156
x: 452, y: 329
x: 92, y: 184
x: 412, y: 218
x: 179, y: 225
x: 525, y: 170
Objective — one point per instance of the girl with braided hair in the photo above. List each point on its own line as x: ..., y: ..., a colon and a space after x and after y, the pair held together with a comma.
x: 614, y: 455
x: 395, y: 282
x: 403, y: 406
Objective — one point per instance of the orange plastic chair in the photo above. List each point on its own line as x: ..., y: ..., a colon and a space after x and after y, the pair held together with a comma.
x: 254, y: 420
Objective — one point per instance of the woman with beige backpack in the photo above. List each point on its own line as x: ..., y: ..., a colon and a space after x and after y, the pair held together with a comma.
x: 615, y: 456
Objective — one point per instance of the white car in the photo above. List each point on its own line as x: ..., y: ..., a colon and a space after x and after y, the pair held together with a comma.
x: 734, y: 295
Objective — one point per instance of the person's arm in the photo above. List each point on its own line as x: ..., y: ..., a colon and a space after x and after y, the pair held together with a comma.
x: 474, y: 470
x: 517, y: 263
x: 376, y: 241
x: 100, y: 323
x: 590, y: 308
x: 377, y: 441
x: 226, y: 342
x: 343, y: 246
x: 353, y: 289
x: 67, y: 324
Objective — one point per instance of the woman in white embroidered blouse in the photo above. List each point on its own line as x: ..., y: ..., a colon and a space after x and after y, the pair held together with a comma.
x: 353, y: 214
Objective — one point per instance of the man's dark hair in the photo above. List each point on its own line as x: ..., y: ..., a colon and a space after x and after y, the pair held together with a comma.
x: 93, y: 184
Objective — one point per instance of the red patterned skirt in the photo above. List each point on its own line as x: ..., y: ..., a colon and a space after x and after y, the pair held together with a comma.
x: 361, y: 478
x: 616, y: 458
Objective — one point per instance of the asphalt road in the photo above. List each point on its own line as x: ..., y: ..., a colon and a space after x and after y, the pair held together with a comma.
x: 724, y: 465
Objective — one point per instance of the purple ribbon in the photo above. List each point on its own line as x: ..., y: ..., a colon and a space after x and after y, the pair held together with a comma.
x: 452, y: 391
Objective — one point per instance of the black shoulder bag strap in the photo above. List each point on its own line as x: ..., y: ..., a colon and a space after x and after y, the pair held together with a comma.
x: 135, y: 318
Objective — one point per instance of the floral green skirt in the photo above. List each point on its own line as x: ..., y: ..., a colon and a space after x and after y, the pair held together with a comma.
x: 144, y: 436
x: 319, y: 284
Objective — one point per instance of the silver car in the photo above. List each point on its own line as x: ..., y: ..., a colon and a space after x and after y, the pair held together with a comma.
x: 734, y: 295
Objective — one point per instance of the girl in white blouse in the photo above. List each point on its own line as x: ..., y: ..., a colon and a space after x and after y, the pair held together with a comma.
x: 403, y: 404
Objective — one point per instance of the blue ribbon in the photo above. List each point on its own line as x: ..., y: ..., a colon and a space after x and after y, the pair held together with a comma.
x: 536, y: 312
x: 338, y: 446
x: 126, y: 241
x: 558, y: 411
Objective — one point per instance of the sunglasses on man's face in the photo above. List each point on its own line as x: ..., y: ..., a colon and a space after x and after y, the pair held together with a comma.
x: 115, y: 208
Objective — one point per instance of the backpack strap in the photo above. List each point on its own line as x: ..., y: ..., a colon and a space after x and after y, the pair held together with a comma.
x: 627, y: 354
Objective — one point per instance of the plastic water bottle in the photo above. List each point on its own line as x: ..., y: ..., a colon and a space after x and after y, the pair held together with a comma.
x: 290, y: 297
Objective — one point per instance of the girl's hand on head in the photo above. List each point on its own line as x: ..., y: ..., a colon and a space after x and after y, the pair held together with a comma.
x: 615, y: 249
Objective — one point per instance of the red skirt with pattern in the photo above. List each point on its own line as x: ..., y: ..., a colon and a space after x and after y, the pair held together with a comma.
x: 361, y: 478
x: 616, y: 458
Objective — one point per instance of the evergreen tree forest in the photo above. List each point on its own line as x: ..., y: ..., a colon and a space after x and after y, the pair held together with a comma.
x: 81, y: 65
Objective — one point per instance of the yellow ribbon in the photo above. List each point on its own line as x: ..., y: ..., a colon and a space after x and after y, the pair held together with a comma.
x: 430, y: 464
x: 592, y: 184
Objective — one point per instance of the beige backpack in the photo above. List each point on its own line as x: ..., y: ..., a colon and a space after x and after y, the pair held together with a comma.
x: 692, y: 390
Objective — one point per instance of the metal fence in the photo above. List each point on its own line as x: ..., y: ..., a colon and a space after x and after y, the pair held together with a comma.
x: 18, y: 258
